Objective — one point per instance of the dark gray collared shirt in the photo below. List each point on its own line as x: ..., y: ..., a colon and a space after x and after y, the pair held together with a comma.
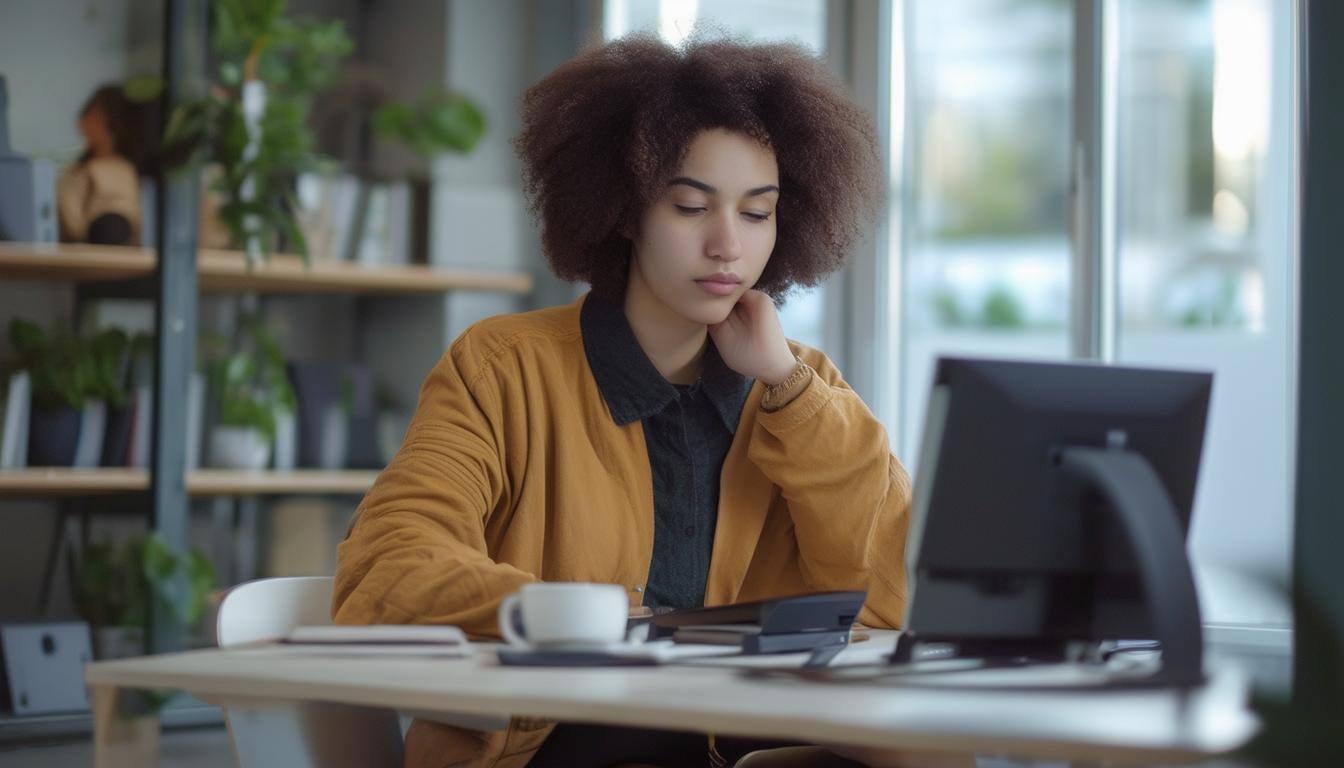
x: 688, y: 430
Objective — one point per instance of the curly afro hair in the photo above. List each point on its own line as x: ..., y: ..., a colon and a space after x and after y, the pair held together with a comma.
x: 604, y: 133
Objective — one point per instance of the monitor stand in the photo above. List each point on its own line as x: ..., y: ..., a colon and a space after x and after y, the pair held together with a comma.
x: 1148, y: 519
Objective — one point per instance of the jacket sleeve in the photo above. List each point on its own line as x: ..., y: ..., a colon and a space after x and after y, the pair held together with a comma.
x: 416, y: 552
x: 847, y: 495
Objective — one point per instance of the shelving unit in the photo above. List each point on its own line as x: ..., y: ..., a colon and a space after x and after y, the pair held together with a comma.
x: 174, y: 276
x: 227, y: 272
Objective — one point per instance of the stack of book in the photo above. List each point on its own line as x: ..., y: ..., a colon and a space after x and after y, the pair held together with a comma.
x: 346, y: 218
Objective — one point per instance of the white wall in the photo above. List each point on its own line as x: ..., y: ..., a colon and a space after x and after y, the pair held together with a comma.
x: 55, y: 53
x: 479, y: 217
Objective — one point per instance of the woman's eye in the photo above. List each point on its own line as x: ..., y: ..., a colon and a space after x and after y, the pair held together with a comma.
x: 756, y: 216
x: 689, y: 210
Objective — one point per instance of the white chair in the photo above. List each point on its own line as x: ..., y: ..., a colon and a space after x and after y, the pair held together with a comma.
x: 269, y: 733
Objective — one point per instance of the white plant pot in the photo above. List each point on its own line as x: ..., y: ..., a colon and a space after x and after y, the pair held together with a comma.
x: 239, y: 448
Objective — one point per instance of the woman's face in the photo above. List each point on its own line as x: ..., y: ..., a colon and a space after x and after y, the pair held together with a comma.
x: 97, y: 135
x: 706, y: 239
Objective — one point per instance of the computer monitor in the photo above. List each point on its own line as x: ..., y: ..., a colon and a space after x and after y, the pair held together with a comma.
x: 1051, y: 506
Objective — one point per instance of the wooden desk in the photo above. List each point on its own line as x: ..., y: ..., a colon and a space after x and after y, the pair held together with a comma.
x: 1149, y: 726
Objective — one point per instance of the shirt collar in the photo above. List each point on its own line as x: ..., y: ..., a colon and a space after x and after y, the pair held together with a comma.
x: 628, y: 380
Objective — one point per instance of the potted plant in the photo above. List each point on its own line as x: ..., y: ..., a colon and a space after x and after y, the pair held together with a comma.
x: 59, y: 382
x: 254, y: 123
x: 113, y: 588
x: 70, y: 376
x: 252, y: 387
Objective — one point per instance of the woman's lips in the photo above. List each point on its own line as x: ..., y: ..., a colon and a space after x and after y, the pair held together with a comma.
x: 717, y: 288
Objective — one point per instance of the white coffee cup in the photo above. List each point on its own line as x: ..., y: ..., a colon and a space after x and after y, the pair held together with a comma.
x: 565, y: 613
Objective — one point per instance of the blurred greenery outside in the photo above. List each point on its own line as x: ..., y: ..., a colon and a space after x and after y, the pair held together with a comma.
x: 992, y: 180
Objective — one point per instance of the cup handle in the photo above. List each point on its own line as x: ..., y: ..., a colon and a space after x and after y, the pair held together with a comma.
x: 506, y: 611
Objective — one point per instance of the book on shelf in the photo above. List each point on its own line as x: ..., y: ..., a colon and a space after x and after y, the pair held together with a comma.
x: 384, y: 224
x: 142, y: 415
x: 142, y: 422
x: 398, y: 245
x: 420, y: 193
x: 328, y: 209
x: 14, y: 432
x: 89, y: 446
x: 345, y: 218
x: 336, y: 414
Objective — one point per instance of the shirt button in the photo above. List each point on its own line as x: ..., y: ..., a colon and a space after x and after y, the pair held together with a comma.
x: 638, y: 588
x: 690, y: 531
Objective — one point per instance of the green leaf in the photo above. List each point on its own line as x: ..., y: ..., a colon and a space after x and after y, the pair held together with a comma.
x: 454, y: 122
x: 26, y: 337
x: 437, y: 122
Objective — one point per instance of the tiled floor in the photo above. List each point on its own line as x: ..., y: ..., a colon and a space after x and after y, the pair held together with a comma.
x: 179, y: 748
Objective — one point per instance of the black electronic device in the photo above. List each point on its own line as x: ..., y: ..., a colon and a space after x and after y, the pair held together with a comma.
x: 777, y: 625
x: 1050, y: 510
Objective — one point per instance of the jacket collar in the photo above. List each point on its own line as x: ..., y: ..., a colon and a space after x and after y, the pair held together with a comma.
x: 631, y: 385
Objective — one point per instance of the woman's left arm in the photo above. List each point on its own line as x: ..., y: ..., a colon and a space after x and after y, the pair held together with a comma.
x: 848, y: 496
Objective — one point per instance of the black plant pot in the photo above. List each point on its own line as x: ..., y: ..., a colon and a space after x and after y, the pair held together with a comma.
x: 117, y: 437
x: 52, y: 437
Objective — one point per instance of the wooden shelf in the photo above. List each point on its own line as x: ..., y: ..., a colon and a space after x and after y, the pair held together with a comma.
x: 65, y: 481
x: 45, y: 482
x: 227, y: 482
x: 81, y: 263
x: 227, y: 271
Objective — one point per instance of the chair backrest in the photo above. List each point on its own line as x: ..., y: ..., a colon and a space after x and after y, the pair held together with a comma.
x: 267, y: 609
x: 302, y: 734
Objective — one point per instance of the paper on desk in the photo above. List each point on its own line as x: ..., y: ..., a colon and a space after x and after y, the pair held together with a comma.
x: 665, y: 650
x: 371, y: 640
x: 865, y: 653
x: 355, y: 649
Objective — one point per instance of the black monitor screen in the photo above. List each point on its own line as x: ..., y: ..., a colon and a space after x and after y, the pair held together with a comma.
x: 1004, y: 544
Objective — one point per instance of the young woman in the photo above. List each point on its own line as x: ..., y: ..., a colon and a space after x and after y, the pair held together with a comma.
x: 660, y: 433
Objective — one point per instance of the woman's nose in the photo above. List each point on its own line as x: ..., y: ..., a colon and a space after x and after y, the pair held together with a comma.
x: 723, y: 243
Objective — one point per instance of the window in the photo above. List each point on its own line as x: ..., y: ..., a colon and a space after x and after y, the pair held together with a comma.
x: 985, y: 244
x: 1203, y: 247
x: 1195, y: 265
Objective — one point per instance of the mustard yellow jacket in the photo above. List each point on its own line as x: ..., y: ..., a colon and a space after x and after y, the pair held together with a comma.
x: 513, y: 471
